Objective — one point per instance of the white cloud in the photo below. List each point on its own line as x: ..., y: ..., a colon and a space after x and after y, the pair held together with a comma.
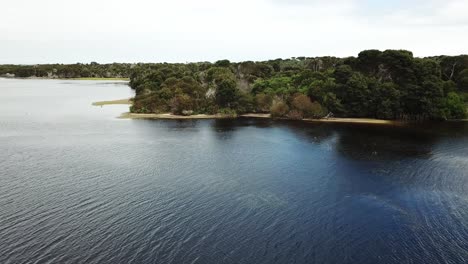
x: 184, y: 30
x: 449, y: 13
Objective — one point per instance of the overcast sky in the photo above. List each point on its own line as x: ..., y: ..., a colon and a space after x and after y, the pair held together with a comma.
x: 65, y: 31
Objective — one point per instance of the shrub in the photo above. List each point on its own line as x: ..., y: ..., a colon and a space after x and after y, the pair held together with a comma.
x: 263, y: 102
x: 296, y: 115
x: 317, y: 111
x: 279, y: 109
x: 228, y: 112
x: 244, y: 104
x: 149, y: 104
x: 455, y: 107
x: 301, y: 102
x: 181, y: 103
x: 304, y: 105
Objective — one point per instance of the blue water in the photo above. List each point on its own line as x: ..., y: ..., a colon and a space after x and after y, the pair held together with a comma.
x: 78, y: 185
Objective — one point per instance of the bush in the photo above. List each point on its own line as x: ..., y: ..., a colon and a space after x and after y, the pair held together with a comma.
x: 149, y: 104
x: 302, y: 104
x: 296, y: 115
x: 455, y: 108
x: 263, y: 102
x: 228, y: 112
x: 317, y: 111
x: 181, y: 104
x: 208, y: 106
x: 279, y: 109
x: 244, y: 104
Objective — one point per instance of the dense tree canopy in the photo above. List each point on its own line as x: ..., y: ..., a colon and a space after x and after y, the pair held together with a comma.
x: 91, y: 70
x: 390, y: 84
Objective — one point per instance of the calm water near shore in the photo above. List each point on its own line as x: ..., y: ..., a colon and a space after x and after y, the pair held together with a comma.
x: 78, y: 185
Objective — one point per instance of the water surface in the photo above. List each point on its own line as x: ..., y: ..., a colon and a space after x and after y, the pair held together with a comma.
x: 78, y: 185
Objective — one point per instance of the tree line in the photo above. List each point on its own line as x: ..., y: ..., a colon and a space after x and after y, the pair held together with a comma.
x: 78, y: 70
x: 390, y: 84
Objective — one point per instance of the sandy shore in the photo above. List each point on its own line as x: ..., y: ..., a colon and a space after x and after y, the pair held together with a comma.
x: 333, y: 120
x: 263, y: 116
x: 171, y: 116
x: 100, y: 79
x: 254, y: 115
x: 114, y: 102
x: 249, y: 115
x: 355, y: 121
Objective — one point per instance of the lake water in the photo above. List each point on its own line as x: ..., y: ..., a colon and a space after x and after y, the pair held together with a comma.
x: 78, y: 185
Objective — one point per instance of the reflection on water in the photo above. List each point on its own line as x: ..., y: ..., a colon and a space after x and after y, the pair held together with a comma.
x: 385, y: 143
x: 78, y: 185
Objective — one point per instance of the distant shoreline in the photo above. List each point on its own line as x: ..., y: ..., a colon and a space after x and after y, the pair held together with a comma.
x: 72, y: 79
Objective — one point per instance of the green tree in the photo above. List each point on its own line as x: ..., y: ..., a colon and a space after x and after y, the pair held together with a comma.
x: 368, y: 61
x: 400, y: 65
x: 343, y: 73
x: 455, y: 108
x: 386, y: 101
x: 223, y: 63
x: 462, y: 80
x: 356, y: 98
x: 226, y: 92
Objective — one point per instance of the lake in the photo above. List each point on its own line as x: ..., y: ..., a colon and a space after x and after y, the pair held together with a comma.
x: 78, y: 185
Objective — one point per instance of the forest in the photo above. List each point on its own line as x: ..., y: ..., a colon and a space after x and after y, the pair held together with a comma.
x: 390, y: 84
x: 65, y: 71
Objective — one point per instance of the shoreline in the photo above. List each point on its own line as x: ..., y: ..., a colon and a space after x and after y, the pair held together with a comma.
x: 169, y: 116
x: 260, y: 116
x: 356, y: 121
x: 126, y: 101
x: 70, y: 79
x: 97, y: 79
x: 128, y: 115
